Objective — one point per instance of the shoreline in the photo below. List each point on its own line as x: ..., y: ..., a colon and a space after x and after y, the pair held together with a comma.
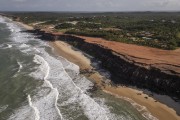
x: 157, y: 109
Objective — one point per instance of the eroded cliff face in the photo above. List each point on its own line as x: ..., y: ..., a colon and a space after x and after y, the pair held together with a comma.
x: 123, y: 70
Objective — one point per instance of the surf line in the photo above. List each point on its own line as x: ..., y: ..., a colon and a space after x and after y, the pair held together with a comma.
x: 49, y: 83
x: 36, y: 111
x: 101, y: 108
x: 19, y: 69
x: 142, y: 109
x: 20, y: 66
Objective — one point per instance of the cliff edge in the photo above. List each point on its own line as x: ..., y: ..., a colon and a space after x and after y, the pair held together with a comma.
x: 144, y: 67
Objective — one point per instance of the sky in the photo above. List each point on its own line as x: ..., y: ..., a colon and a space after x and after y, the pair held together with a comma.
x: 89, y: 5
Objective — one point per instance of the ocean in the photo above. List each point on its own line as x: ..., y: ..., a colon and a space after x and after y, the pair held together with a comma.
x: 37, y: 84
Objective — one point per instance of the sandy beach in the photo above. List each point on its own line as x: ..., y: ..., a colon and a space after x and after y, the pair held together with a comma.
x: 25, y: 26
x: 157, y: 109
x: 66, y: 51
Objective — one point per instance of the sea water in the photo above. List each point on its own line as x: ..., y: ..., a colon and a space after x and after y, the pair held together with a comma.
x: 36, y: 84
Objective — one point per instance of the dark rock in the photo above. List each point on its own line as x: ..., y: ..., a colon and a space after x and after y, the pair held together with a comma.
x: 123, y: 71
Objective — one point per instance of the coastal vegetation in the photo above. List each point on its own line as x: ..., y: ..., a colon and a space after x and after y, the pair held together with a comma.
x: 159, y: 71
x: 160, y: 30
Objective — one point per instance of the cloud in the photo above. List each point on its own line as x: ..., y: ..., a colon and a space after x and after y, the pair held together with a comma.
x: 89, y: 5
x: 163, y: 4
x: 18, y: 0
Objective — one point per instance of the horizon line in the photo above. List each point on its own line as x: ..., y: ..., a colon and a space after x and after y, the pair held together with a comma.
x: 96, y: 11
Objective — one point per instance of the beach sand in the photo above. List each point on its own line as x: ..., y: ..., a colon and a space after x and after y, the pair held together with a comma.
x: 25, y: 26
x: 66, y: 51
x: 157, y: 109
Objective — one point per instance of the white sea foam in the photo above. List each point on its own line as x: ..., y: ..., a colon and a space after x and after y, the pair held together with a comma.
x: 74, y: 91
x: 27, y: 112
x: 58, y: 89
x: 36, y: 111
x: 44, y: 108
x: 73, y: 72
x: 55, y: 76
x: 5, y: 46
x: 83, y: 83
x: 102, y: 103
x: 13, y: 27
x: 20, y: 66
x: 48, y: 104
x: 19, y: 69
x: 145, y: 113
x: 36, y: 50
x: 9, y: 46
x: 148, y: 116
x: 24, y: 45
x: 61, y: 80
x: 2, y: 20
x: 2, y: 108
x: 71, y: 68
x: 16, y: 35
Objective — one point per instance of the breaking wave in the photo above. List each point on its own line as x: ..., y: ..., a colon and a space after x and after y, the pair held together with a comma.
x: 142, y: 109
x: 63, y: 90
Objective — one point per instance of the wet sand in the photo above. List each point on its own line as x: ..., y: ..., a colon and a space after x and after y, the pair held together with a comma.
x: 25, y: 26
x: 66, y: 51
x: 157, y: 109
